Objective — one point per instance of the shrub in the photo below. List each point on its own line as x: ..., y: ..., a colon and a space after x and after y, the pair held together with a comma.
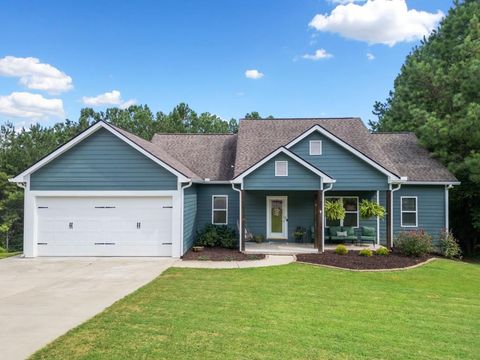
x: 414, y: 243
x: 383, y: 251
x: 365, y: 252
x: 449, y: 245
x: 216, y: 235
x: 2, y: 250
x: 341, y: 250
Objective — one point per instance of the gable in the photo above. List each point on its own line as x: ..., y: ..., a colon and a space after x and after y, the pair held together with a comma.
x: 349, y: 171
x: 102, y: 161
x: 299, y: 177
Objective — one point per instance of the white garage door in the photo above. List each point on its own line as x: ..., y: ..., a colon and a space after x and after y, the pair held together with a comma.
x: 104, y: 226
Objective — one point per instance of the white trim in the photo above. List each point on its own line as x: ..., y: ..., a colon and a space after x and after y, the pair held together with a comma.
x: 105, y: 193
x: 409, y: 211
x: 350, y: 212
x: 310, y: 147
x: 284, y: 235
x: 277, y: 163
x: 97, y: 126
x: 342, y: 143
x: 432, y: 183
x: 447, y: 222
x: 240, y: 219
x: 378, y: 218
x: 226, y: 209
x: 182, y: 211
x: 323, y: 216
x: 325, y: 177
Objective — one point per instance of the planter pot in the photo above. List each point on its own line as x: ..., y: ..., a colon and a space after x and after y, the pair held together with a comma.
x: 197, y: 248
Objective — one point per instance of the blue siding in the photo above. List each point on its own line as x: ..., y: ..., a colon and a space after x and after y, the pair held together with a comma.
x: 102, y: 162
x: 349, y: 171
x: 383, y: 222
x: 299, y: 177
x: 189, y: 216
x: 300, y: 210
x: 204, y: 204
x: 431, y: 208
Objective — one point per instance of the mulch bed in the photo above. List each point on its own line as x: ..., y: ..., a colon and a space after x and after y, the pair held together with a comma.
x: 220, y: 254
x: 354, y: 261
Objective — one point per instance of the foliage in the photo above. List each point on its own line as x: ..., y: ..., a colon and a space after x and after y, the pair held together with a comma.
x: 414, y: 243
x: 365, y: 252
x: 437, y: 96
x: 19, y: 149
x: 341, y: 250
x: 370, y: 209
x: 259, y: 238
x: 254, y: 115
x: 334, y: 210
x: 2, y: 250
x: 299, y: 233
x: 216, y: 235
x: 449, y: 245
x: 382, y: 251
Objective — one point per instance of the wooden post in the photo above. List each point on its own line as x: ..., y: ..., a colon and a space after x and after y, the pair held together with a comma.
x: 389, y: 219
x: 242, y: 211
x: 319, y: 222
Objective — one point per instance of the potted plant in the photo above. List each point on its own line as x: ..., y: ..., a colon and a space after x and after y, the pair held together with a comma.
x: 299, y: 233
x: 334, y: 210
x: 370, y: 209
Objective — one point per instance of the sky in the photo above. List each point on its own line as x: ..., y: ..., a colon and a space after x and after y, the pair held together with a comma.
x: 295, y: 58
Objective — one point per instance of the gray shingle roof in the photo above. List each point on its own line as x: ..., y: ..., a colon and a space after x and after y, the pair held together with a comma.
x: 208, y: 155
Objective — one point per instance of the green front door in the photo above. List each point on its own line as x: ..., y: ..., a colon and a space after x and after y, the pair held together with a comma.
x: 277, y: 219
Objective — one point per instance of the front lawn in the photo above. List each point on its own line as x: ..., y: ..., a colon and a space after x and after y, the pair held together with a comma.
x: 295, y: 311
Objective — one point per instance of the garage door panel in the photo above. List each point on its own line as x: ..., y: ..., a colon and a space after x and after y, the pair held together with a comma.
x: 87, y: 226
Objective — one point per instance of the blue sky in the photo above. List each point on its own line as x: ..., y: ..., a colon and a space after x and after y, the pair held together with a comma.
x: 161, y: 53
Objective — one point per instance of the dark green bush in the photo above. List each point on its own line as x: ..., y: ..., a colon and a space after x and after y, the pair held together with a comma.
x: 449, y: 245
x: 365, y: 252
x: 414, y: 243
x: 341, y: 250
x: 2, y: 250
x: 382, y: 251
x: 216, y: 235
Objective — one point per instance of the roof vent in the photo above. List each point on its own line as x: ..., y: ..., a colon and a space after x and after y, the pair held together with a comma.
x: 207, y: 179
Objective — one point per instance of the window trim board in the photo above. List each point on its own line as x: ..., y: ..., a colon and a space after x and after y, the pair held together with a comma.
x: 214, y: 209
x: 409, y: 211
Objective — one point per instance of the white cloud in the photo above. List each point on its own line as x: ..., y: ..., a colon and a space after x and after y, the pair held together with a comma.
x: 113, y: 97
x: 318, y: 55
x: 378, y: 22
x: 253, y: 74
x: 370, y: 56
x: 28, y: 105
x: 35, y: 75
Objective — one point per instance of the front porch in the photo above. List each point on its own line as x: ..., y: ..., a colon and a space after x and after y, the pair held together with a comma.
x: 289, y: 248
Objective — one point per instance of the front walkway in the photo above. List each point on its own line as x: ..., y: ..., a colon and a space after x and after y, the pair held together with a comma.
x: 43, y: 298
x: 284, y: 248
x: 270, y: 260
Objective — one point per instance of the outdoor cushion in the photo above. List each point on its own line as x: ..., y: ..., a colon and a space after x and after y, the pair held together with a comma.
x: 367, y: 238
x: 341, y: 233
x: 368, y: 231
x: 350, y: 230
x: 334, y: 230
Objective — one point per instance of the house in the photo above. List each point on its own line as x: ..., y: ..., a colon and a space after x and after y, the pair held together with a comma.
x: 108, y: 192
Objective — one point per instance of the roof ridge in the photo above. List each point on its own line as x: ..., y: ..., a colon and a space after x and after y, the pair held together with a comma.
x: 307, y: 118
x: 224, y: 134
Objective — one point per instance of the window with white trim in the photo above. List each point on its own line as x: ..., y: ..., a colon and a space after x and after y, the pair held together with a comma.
x: 350, y: 204
x: 281, y: 168
x: 219, y: 209
x: 315, y: 147
x: 409, y: 211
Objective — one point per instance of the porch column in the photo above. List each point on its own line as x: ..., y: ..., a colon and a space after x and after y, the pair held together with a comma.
x: 389, y: 219
x: 242, y: 222
x: 319, y: 220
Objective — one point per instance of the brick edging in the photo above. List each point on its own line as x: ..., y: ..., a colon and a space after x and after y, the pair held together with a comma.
x: 369, y: 270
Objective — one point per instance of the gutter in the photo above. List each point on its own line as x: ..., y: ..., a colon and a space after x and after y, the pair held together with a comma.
x: 323, y: 212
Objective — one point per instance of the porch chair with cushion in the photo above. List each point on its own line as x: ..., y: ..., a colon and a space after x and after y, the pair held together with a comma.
x: 342, y: 234
x: 368, y: 234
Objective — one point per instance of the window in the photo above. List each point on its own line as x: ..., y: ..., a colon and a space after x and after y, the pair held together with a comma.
x: 219, y: 209
x: 315, y: 147
x: 350, y: 204
x: 281, y: 168
x: 409, y: 211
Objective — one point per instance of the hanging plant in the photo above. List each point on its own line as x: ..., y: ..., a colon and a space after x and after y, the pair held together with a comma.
x: 370, y: 209
x: 334, y: 210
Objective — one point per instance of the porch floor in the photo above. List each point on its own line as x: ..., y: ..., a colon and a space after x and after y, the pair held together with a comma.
x: 286, y: 248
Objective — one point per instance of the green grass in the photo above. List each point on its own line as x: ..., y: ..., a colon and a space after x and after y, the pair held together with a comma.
x: 4, y: 255
x: 295, y: 311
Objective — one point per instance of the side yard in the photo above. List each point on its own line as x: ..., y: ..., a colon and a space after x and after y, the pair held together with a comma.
x: 294, y: 311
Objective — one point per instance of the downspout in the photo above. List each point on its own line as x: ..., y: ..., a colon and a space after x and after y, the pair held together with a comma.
x: 391, y: 204
x: 182, y: 188
x: 323, y: 212
x: 240, y: 217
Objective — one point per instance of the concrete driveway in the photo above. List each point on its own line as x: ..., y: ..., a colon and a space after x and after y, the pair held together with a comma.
x: 42, y: 298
